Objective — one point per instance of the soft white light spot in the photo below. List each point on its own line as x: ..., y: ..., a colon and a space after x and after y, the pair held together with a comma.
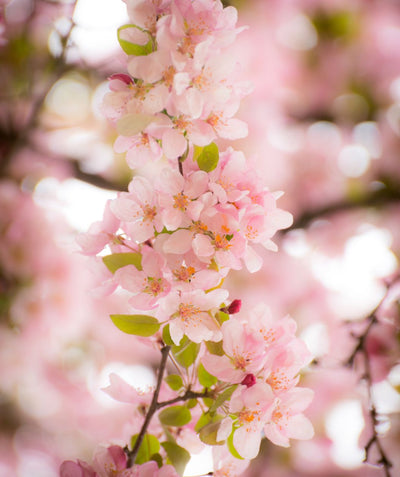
x: 284, y: 138
x: 200, y: 464
x: 298, y: 33
x: 99, y: 13
x: 395, y: 89
x: 324, y: 134
x: 386, y: 398
x: 80, y: 203
x: 393, y: 117
x: 343, y: 425
x: 295, y: 243
x: 353, y: 160
x: 69, y: 99
x: 355, y: 275
x: 316, y: 338
x: 367, y: 134
x: 138, y: 376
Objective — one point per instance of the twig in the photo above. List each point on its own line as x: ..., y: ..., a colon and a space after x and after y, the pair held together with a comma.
x: 152, y: 409
x: 361, y: 349
x: 388, y: 195
x: 155, y: 405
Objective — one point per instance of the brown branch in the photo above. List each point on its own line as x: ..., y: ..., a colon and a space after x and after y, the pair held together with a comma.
x: 361, y: 349
x: 152, y: 409
x: 155, y: 405
x: 388, y: 195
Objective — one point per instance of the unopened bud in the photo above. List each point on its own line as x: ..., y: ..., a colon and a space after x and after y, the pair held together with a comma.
x: 249, y: 380
x: 122, y: 77
x: 234, y: 307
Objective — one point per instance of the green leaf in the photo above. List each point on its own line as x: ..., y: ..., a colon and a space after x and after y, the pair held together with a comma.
x: 174, y: 381
x: 140, y: 325
x: 186, y: 353
x: 176, y: 416
x: 129, y: 34
x: 208, y: 433
x: 208, y: 159
x: 204, y: 419
x: 178, y: 456
x: 205, y: 378
x: 148, y: 448
x: 232, y: 448
x: 118, y: 260
x: 221, y: 398
x: 157, y: 458
x: 167, y: 336
x: 191, y: 403
x: 221, y: 317
x: 133, y: 123
x: 215, y: 348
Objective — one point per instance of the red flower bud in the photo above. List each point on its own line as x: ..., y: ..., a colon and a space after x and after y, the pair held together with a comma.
x: 249, y: 380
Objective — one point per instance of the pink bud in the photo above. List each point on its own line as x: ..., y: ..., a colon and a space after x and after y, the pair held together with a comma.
x: 249, y: 380
x: 234, y: 307
x: 118, y: 456
x: 122, y: 77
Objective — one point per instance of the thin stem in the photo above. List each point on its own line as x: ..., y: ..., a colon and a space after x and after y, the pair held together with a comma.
x: 152, y: 409
x: 361, y: 349
x: 186, y: 397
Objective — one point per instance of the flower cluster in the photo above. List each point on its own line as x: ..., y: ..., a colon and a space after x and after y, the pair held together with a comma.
x: 172, y: 238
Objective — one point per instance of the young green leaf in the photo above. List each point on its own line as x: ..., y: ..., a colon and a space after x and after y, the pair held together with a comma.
x: 208, y: 433
x: 215, y: 348
x: 118, y: 260
x: 133, y: 123
x: 208, y: 159
x: 205, y: 378
x: 174, y: 381
x: 140, y: 325
x: 176, y: 416
x: 148, y: 448
x: 221, y: 398
x: 134, y: 41
x: 186, y: 353
x: 178, y: 456
x: 232, y: 448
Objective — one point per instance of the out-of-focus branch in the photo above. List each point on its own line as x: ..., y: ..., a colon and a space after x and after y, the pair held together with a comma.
x: 361, y: 350
x: 387, y: 195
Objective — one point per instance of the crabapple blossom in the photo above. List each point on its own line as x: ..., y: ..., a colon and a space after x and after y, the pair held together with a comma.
x: 175, y: 235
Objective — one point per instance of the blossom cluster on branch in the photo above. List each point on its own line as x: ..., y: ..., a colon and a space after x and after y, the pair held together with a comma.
x: 169, y: 242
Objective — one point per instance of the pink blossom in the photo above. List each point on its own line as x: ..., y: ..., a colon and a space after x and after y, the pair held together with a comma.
x: 287, y: 421
x: 178, y: 196
x: 191, y: 313
x: 253, y: 407
x: 139, y: 210
x: 148, y: 285
x: 244, y: 353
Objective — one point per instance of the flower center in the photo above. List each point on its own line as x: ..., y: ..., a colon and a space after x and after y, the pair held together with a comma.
x: 149, y: 212
x: 184, y: 274
x: 181, y: 201
x: 186, y: 311
x: 153, y: 286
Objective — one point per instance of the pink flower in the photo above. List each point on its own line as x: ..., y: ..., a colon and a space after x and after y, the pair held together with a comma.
x: 76, y: 469
x: 178, y: 196
x: 148, y: 285
x: 287, y: 421
x: 253, y: 407
x: 139, y: 210
x: 244, y: 353
x: 191, y: 314
x: 140, y: 148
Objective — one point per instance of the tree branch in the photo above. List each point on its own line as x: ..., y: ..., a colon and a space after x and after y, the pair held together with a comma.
x: 361, y: 349
x: 152, y: 409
